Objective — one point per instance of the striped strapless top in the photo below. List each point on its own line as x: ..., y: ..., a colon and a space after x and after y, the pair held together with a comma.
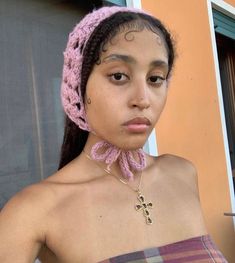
x: 196, y: 250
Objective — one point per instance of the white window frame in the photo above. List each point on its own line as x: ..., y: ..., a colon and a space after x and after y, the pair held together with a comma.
x: 134, y: 3
x: 228, y: 10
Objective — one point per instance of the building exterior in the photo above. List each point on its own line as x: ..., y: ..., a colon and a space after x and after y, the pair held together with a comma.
x: 193, y: 123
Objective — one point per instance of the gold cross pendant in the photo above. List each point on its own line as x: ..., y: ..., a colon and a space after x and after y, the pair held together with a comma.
x: 145, y: 207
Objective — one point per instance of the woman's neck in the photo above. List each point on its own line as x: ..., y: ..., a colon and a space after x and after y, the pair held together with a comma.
x: 122, y: 163
x: 91, y: 141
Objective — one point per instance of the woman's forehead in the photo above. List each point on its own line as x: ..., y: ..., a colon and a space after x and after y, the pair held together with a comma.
x: 131, y: 44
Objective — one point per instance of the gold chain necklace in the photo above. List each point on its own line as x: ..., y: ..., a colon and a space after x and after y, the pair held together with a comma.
x: 143, y: 206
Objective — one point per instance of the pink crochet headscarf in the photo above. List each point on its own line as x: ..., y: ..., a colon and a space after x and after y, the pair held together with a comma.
x: 71, y: 92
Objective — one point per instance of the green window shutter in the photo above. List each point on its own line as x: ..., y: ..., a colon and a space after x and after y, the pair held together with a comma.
x: 115, y: 2
x: 224, y: 25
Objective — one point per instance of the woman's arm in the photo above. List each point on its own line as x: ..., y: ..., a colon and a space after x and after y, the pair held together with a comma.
x: 21, y: 228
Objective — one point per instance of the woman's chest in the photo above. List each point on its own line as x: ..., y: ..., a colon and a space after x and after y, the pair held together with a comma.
x: 96, y: 227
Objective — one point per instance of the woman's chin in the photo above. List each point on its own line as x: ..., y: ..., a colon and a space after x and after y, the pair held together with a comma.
x: 132, y: 145
x: 126, y: 142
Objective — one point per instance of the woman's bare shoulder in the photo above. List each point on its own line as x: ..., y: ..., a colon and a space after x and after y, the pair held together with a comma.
x: 177, y: 161
x: 179, y: 168
x: 22, y: 224
x: 34, y: 202
x: 178, y: 178
x: 28, y: 205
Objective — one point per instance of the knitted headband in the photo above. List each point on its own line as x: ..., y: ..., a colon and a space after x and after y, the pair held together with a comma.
x: 73, y: 58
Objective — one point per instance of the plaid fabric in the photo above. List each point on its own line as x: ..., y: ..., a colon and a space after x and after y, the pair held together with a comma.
x: 197, y: 250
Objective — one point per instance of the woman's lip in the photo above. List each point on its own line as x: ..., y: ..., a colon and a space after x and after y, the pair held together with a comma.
x: 137, y: 128
x: 138, y: 121
x: 137, y: 125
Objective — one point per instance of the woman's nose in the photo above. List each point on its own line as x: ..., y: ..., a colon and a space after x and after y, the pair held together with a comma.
x: 140, y: 96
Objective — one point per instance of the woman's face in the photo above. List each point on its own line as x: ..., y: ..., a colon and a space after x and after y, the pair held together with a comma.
x: 127, y: 91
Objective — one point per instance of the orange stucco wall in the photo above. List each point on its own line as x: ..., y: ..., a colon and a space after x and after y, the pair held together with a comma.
x: 190, y: 126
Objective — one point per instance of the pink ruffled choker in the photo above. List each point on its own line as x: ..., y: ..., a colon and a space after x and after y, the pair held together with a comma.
x: 126, y: 160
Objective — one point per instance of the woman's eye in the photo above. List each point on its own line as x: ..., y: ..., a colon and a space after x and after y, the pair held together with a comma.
x: 156, y: 80
x: 118, y: 77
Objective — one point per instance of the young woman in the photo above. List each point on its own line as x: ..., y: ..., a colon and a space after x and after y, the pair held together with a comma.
x: 109, y: 201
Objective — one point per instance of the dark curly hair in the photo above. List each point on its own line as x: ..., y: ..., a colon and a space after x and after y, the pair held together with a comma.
x: 74, y: 137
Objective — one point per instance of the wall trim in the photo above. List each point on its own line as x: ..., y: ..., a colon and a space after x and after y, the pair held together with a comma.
x: 228, y: 10
x: 223, y: 7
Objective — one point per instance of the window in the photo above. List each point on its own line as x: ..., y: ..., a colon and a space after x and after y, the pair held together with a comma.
x: 115, y: 2
x: 225, y: 40
x: 33, y: 36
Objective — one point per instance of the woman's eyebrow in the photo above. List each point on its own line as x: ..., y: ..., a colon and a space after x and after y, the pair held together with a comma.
x: 131, y: 60
x: 159, y: 64
x: 124, y: 58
